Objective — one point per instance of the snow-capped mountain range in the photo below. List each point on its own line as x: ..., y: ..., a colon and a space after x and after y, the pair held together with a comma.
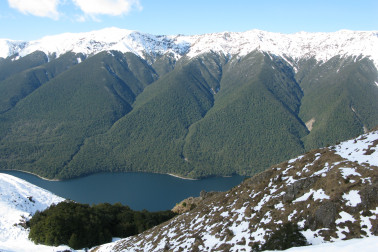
x: 322, y: 46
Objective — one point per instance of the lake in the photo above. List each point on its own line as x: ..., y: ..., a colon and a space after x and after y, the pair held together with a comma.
x: 153, y: 192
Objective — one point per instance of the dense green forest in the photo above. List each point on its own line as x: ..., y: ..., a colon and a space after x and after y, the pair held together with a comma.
x: 83, y: 226
x: 341, y: 97
x: 204, y: 116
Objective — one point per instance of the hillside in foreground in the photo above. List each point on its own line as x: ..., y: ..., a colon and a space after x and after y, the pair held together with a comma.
x: 19, y: 200
x: 331, y: 193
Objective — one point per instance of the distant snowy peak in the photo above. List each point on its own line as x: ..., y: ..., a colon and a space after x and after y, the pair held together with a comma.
x: 10, y: 47
x: 322, y: 46
x: 90, y: 43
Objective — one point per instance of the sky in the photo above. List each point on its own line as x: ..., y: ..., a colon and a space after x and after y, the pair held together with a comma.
x: 34, y: 19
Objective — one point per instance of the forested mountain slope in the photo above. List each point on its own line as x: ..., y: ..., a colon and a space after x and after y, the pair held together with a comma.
x: 195, y: 106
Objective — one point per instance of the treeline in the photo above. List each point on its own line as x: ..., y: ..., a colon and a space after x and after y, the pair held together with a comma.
x: 83, y: 226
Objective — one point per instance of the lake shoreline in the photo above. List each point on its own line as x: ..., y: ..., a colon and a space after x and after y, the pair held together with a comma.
x: 51, y: 180
x: 169, y: 174
x: 177, y: 176
x: 55, y: 180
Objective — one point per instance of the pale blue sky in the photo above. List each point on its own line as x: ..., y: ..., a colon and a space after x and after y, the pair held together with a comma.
x: 33, y: 19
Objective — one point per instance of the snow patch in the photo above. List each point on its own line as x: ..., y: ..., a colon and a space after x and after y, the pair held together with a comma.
x: 366, y: 222
x: 323, y: 172
x: 313, y: 237
x: 259, y: 234
x: 353, y: 245
x: 353, y: 198
x: 355, y: 150
x: 295, y: 159
x: 317, y: 195
x: 345, y: 172
x: 292, y: 215
x: 341, y: 233
x: 267, y: 218
x: 262, y: 202
x: 344, y: 218
x: 279, y: 206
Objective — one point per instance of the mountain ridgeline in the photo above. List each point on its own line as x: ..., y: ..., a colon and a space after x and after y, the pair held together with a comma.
x: 212, y: 114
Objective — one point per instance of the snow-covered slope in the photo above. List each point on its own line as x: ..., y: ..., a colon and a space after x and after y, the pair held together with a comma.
x: 366, y: 245
x: 94, y: 42
x: 331, y: 193
x: 322, y: 46
x: 10, y: 47
x: 18, y: 201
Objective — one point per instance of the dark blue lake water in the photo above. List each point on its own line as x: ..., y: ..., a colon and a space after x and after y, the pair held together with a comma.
x: 149, y: 191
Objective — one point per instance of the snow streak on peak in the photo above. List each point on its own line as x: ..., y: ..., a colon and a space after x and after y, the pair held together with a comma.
x: 322, y: 46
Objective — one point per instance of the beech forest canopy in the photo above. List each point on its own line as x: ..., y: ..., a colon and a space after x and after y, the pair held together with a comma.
x: 194, y: 117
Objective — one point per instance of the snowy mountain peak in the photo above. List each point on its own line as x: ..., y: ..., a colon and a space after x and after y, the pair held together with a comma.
x: 10, y: 47
x: 322, y: 46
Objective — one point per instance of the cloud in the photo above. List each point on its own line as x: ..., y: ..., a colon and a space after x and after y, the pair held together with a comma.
x: 107, y: 7
x: 80, y: 19
x: 89, y: 8
x: 40, y: 8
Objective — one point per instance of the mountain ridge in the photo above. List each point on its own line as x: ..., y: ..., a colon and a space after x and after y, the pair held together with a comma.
x: 320, y: 45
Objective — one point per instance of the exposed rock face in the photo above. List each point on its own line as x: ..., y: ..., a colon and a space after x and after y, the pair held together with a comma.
x: 331, y: 195
x: 192, y: 202
x: 297, y: 187
x: 326, y: 214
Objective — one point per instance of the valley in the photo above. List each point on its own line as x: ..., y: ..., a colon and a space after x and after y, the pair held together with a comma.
x: 195, y: 106
x: 153, y: 192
